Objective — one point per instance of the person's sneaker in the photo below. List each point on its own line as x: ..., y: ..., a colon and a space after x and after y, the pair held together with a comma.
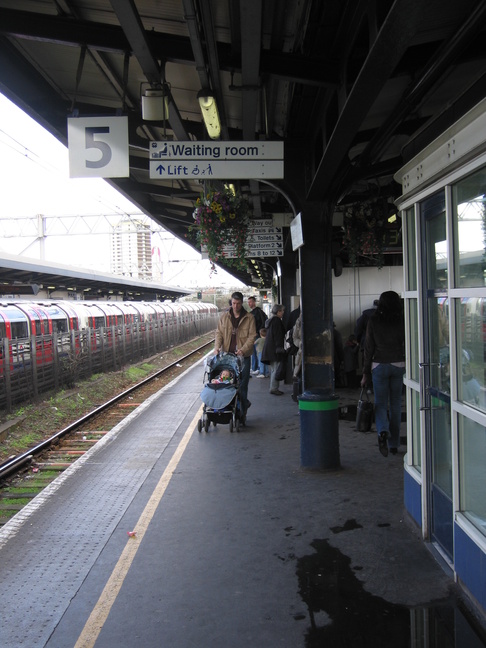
x: 382, y: 445
x: 261, y: 376
x: 255, y: 373
x: 276, y: 392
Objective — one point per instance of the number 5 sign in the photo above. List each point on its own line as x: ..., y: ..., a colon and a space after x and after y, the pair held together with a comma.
x: 98, y: 147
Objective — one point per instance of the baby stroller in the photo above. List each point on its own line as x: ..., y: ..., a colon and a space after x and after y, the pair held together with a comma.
x: 221, y: 400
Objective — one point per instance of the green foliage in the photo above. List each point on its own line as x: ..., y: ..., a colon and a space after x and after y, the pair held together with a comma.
x: 222, y: 218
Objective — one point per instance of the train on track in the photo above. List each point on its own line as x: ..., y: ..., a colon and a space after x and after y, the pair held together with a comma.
x: 49, y: 344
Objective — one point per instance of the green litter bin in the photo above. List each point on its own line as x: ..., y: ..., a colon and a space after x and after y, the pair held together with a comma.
x: 319, y: 429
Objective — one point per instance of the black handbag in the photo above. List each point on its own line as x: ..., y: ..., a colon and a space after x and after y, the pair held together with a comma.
x: 364, y: 413
x: 281, y: 372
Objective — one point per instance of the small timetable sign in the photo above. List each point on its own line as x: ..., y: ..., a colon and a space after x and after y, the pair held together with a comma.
x: 251, y: 252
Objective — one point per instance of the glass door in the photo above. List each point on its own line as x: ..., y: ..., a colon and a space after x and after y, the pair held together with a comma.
x: 435, y: 371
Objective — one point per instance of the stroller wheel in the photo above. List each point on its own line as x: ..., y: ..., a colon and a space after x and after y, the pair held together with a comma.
x: 237, y: 425
x: 206, y: 425
x: 199, y: 425
x: 231, y: 425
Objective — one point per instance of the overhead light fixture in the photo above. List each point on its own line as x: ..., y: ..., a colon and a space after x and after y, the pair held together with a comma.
x: 210, y: 114
x: 392, y: 218
x: 155, y: 103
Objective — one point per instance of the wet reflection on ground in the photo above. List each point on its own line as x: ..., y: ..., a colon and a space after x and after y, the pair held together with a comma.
x: 343, y: 615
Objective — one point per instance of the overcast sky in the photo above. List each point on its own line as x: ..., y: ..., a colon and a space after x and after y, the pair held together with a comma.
x: 34, y: 179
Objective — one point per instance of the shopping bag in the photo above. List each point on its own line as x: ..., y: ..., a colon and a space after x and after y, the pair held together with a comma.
x: 364, y: 413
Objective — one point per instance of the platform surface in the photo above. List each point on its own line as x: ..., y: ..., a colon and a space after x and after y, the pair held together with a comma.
x: 235, y: 544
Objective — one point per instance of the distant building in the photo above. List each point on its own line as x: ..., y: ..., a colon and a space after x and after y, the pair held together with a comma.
x: 131, y: 250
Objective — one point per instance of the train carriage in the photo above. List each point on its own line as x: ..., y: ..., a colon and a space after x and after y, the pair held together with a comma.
x: 68, y: 334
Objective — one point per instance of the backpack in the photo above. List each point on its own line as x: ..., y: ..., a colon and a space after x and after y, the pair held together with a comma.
x: 289, y: 346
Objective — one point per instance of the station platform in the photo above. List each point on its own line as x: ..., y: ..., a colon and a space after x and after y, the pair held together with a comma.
x: 232, y: 543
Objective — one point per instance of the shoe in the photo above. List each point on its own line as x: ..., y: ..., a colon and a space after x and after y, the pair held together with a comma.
x: 248, y: 404
x: 255, y: 373
x: 261, y: 376
x: 393, y: 451
x: 276, y: 392
x: 382, y: 445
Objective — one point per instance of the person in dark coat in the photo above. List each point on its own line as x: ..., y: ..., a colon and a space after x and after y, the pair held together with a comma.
x: 273, y: 349
x: 384, y: 364
x: 362, y: 323
x: 260, y: 319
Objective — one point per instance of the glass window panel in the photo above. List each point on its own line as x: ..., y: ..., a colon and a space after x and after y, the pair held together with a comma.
x: 472, y: 475
x: 468, y: 197
x: 411, y: 249
x: 471, y: 350
x: 414, y: 339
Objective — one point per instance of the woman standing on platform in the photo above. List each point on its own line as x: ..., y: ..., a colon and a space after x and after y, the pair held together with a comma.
x: 384, y: 364
x: 273, y: 349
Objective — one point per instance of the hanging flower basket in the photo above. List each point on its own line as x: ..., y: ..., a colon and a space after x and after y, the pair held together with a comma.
x: 364, y: 232
x: 221, y: 219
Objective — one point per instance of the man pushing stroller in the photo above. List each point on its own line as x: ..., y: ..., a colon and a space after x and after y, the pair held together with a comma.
x: 236, y: 334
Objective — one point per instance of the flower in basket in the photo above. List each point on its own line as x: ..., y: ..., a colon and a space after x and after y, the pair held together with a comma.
x: 221, y: 219
x: 364, y: 232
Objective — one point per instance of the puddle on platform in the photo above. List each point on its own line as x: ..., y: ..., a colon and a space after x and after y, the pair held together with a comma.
x: 343, y: 615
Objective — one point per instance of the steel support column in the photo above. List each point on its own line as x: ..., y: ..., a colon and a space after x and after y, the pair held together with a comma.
x: 318, y: 405
x: 316, y: 282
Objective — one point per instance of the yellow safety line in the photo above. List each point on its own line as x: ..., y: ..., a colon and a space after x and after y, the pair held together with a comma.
x: 98, y: 616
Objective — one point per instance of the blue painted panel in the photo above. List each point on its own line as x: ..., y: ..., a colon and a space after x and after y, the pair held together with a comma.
x: 442, y: 528
x: 412, y: 495
x: 470, y: 565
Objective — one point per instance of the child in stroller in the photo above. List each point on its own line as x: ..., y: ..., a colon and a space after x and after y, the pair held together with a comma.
x: 220, y: 393
x: 224, y: 377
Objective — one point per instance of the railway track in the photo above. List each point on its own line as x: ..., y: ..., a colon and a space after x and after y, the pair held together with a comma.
x: 25, y: 476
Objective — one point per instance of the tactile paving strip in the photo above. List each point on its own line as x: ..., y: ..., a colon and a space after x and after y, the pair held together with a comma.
x: 47, y: 557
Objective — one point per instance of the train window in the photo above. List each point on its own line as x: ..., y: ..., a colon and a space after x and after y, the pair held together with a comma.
x: 19, y: 326
x: 33, y: 315
x: 19, y: 330
x: 99, y: 321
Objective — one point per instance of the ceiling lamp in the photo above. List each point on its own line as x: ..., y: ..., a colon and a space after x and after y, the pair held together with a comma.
x: 209, y: 111
x: 155, y: 103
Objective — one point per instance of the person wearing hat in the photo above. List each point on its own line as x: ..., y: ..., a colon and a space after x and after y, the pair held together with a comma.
x: 236, y: 334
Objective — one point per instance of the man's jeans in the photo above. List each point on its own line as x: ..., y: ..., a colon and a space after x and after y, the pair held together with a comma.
x: 387, y: 387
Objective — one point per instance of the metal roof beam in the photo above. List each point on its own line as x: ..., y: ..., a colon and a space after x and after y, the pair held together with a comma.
x: 397, y: 31
x: 166, y: 47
